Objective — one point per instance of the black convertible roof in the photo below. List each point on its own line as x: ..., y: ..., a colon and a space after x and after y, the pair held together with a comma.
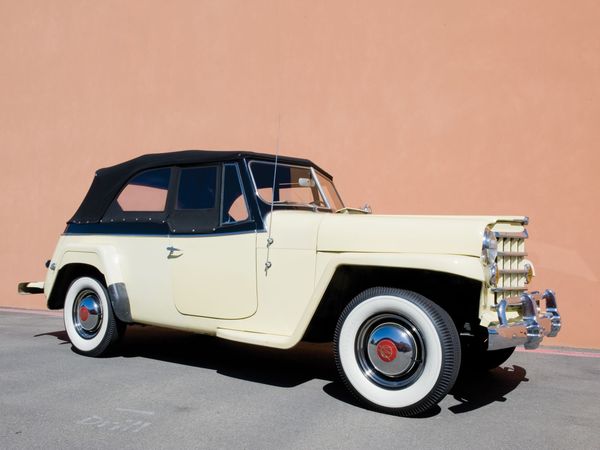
x: 109, y: 181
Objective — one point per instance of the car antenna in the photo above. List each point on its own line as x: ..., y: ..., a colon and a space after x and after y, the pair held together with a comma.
x: 269, y: 238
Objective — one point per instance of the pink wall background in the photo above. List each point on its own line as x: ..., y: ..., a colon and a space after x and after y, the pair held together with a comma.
x: 463, y: 107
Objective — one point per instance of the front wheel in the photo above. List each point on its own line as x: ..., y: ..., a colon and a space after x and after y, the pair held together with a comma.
x: 397, y: 351
x: 89, y: 320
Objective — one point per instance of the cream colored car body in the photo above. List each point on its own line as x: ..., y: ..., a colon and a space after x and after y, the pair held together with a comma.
x: 218, y: 285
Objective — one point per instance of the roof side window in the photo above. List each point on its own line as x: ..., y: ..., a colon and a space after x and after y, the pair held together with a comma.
x: 146, y: 192
x: 197, y: 188
x: 196, y: 202
x: 233, y: 207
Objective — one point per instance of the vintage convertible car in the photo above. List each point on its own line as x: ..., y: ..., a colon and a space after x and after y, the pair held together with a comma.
x: 262, y: 250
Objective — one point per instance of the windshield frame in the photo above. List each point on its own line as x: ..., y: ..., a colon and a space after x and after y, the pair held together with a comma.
x: 285, y: 203
x: 335, y: 190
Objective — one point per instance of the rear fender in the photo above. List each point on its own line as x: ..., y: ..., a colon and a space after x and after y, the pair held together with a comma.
x: 101, y: 258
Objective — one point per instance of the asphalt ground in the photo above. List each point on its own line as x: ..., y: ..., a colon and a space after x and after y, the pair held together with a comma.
x: 169, y: 389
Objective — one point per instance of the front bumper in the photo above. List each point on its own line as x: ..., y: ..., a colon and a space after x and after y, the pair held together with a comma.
x: 538, y: 317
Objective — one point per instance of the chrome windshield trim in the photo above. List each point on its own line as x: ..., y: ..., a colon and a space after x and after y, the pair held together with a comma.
x: 314, y: 174
x: 337, y: 193
x: 283, y: 203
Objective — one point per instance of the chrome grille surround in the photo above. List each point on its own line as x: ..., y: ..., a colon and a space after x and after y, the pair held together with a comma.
x: 512, y: 270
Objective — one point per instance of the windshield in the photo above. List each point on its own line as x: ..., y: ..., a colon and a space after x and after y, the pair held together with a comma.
x: 294, y: 185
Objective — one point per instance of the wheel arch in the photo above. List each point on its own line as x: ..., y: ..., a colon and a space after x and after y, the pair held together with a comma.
x: 458, y: 292
x: 97, y: 263
x: 66, y: 274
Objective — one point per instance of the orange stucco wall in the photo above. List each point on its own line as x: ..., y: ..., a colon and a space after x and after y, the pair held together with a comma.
x: 416, y: 107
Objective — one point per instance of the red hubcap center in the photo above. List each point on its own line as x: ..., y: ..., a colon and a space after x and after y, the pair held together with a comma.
x: 386, y: 350
x: 84, y: 314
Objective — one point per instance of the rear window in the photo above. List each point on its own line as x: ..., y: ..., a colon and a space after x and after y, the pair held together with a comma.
x: 146, y: 192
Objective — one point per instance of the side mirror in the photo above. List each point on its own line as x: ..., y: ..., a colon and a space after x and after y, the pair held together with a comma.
x: 307, y: 182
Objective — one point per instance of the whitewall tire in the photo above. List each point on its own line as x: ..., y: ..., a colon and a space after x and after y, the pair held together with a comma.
x: 397, y: 351
x: 89, y: 320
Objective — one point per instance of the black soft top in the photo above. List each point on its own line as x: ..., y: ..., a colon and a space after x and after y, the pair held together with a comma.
x: 109, y: 181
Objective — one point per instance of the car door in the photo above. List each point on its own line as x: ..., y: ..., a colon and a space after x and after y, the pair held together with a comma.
x: 212, y: 251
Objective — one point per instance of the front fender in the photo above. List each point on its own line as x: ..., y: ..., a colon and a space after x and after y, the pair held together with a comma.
x: 465, y: 266
x: 328, y: 263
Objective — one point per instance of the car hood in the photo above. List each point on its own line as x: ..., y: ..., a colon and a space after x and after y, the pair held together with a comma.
x: 458, y: 235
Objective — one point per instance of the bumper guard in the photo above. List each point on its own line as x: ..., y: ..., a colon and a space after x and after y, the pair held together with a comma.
x: 536, y: 322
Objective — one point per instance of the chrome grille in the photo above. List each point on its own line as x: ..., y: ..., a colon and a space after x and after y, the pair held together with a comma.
x: 512, y: 272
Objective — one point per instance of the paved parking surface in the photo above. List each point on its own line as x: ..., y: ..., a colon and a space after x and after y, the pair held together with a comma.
x: 168, y: 389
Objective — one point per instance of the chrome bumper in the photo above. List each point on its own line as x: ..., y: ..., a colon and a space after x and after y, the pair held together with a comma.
x: 538, y: 318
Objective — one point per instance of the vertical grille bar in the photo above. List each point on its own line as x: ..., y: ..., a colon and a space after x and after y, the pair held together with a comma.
x: 511, y: 264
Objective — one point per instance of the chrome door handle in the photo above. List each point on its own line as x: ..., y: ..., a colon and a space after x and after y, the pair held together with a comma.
x: 171, y: 249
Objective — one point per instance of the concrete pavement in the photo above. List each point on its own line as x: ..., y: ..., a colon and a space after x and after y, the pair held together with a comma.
x: 169, y: 389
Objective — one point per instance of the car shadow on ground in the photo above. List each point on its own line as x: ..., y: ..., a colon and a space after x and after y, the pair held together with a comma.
x: 472, y: 390
x: 290, y: 368
x: 281, y: 368
x: 475, y: 390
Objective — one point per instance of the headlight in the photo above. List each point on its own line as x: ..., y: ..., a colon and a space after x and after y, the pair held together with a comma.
x: 493, y: 275
x: 489, y: 250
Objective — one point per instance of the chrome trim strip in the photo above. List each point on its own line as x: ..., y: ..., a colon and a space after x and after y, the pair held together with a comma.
x: 509, y: 254
x: 513, y: 272
x: 208, y: 235
x: 508, y: 289
x: 524, y: 220
x: 512, y: 234
x: 183, y: 235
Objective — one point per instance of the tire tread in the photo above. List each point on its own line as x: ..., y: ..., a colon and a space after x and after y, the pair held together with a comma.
x: 449, y: 339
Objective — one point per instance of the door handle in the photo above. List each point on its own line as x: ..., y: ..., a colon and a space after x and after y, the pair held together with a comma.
x: 172, y: 250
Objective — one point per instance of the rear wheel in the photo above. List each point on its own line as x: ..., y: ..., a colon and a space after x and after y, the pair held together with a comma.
x: 89, y: 319
x: 397, y: 351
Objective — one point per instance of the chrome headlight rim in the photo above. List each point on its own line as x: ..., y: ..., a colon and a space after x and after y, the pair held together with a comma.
x: 492, y: 274
x: 489, y: 247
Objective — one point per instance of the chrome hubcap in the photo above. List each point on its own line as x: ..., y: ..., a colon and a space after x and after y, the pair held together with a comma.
x: 87, y: 314
x: 389, y: 350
